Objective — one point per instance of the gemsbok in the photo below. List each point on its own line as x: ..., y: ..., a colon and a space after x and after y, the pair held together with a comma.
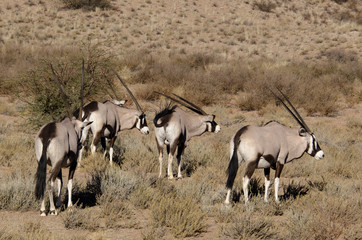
x: 174, y: 128
x: 57, y: 144
x: 269, y: 146
x: 109, y: 119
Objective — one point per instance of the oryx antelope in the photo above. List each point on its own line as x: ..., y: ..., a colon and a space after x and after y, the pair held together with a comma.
x: 174, y: 128
x: 109, y: 118
x: 57, y: 144
x: 269, y: 146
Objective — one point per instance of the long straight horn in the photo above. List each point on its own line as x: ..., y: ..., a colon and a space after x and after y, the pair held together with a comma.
x: 182, y: 103
x: 129, y: 91
x: 198, y: 108
x: 112, y: 88
x: 81, y: 92
x: 62, y: 92
x: 295, y: 111
x: 286, y: 107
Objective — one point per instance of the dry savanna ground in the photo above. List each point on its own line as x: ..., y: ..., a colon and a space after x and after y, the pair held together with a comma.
x: 220, y: 56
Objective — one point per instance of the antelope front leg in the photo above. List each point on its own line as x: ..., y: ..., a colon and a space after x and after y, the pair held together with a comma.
x: 267, y: 183
x: 180, y: 150
x: 278, y: 172
x: 250, y: 168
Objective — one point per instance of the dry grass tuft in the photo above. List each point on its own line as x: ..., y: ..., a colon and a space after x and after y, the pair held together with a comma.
x: 17, y: 193
x: 87, y: 4
x: 326, y: 217
x: 27, y: 230
x: 114, y: 211
x: 246, y: 226
x: 265, y: 5
x: 183, y: 215
x: 78, y: 218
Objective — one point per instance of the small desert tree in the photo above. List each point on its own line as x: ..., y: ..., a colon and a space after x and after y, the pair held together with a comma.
x: 38, y: 89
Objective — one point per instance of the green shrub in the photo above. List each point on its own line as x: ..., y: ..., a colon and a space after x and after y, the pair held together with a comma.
x: 38, y: 89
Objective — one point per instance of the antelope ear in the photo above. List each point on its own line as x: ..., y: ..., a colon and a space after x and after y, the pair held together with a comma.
x: 209, y: 118
x: 119, y: 103
x: 140, y: 115
x: 302, y: 132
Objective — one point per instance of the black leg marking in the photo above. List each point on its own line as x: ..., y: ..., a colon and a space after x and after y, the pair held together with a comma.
x: 250, y: 168
x: 267, y: 173
x: 96, y: 139
x: 103, y: 143
x: 279, y: 170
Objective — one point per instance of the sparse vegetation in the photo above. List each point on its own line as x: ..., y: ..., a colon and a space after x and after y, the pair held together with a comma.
x: 87, y: 4
x: 182, y: 214
x: 78, y: 218
x: 219, y: 56
x: 265, y: 5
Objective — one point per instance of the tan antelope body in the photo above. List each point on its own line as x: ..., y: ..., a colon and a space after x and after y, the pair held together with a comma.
x: 109, y: 119
x: 174, y: 128
x: 57, y: 144
x: 269, y: 146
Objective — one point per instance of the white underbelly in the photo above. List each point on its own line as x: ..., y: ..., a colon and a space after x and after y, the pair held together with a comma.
x: 106, y: 132
x: 263, y: 163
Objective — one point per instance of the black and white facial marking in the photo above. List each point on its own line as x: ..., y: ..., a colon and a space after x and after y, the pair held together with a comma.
x: 212, y: 126
x: 142, y: 124
x: 313, y: 148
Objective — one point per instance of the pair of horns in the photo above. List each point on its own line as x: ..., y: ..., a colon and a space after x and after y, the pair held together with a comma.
x: 295, y: 114
x: 65, y: 97
x: 189, y: 104
x: 129, y: 91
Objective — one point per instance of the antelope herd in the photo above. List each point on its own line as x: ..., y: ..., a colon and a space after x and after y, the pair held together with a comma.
x: 60, y: 144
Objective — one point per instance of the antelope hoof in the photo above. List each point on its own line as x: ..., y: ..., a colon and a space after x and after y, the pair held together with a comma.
x: 54, y: 212
x: 179, y: 177
x: 70, y: 205
x: 42, y: 213
x: 170, y: 177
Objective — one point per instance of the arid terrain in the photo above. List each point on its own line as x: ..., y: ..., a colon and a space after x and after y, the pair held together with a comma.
x: 221, y: 56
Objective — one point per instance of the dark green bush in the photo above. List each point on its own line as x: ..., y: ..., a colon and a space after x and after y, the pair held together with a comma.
x: 38, y: 89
